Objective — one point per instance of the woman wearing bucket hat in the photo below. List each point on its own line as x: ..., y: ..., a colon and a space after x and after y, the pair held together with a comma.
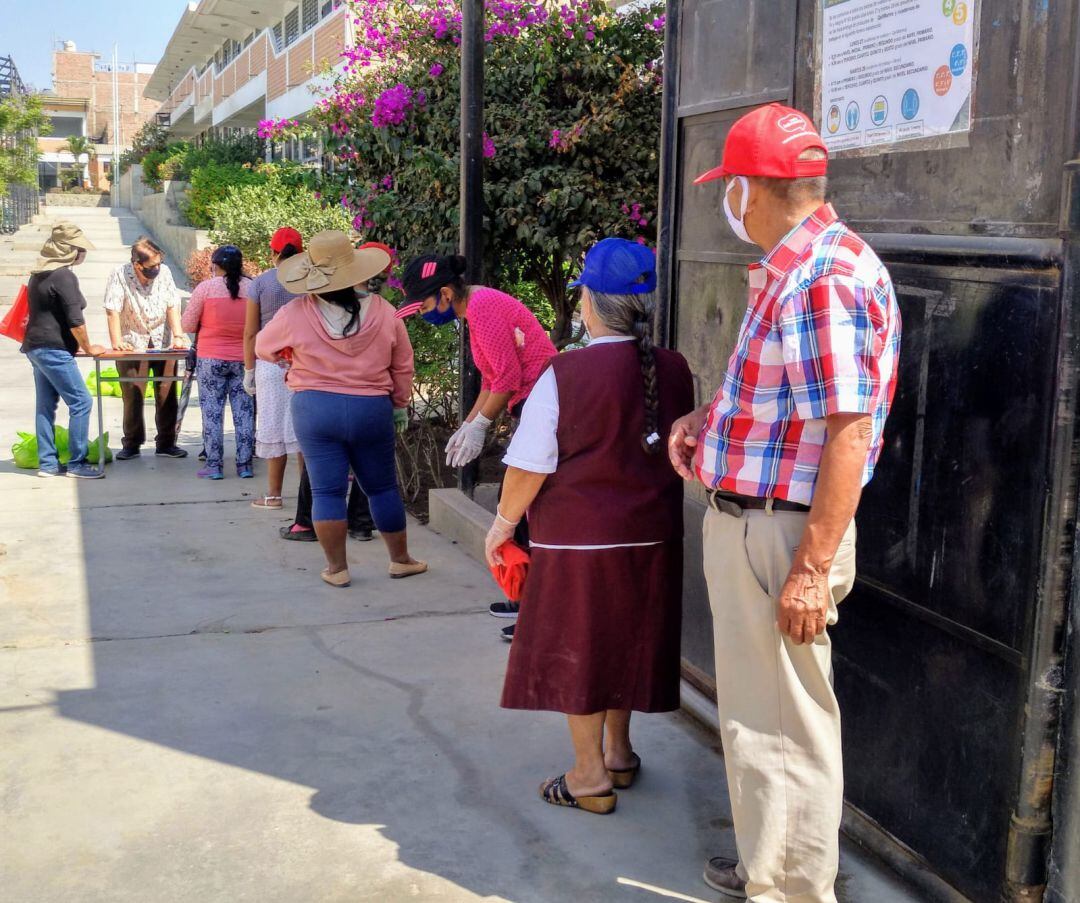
x: 509, y: 346
x: 599, y: 630
x: 217, y: 311
x: 55, y: 330
x: 351, y: 365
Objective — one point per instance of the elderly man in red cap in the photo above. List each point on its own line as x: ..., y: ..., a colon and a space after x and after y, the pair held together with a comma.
x: 784, y: 450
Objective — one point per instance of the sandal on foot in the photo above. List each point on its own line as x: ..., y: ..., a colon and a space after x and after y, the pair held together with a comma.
x: 340, y: 579
x: 398, y: 570
x: 267, y: 501
x: 624, y: 778
x: 554, y: 791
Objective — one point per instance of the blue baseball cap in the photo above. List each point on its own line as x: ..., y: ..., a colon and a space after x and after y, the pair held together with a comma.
x: 616, y: 266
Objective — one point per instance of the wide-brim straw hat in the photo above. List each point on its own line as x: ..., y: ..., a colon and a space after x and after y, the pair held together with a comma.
x: 62, y: 247
x: 330, y: 263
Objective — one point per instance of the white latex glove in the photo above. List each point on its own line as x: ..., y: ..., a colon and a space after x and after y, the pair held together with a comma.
x: 501, y: 531
x: 249, y: 382
x: 473, y: 435
x: 454, y: 444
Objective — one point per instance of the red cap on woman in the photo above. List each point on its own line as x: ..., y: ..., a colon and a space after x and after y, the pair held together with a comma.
x: 286, y: 236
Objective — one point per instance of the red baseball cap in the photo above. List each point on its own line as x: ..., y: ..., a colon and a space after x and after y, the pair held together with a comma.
x: 768, y: 142
x: 286, y: 236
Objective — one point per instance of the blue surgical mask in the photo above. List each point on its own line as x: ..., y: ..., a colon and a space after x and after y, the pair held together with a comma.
x: 438, y: 317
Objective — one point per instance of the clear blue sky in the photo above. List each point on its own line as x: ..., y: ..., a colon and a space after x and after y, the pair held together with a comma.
x: 141, y: 28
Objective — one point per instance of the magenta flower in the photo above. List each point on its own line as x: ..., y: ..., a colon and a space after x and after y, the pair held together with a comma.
x: 489, y: 147
x: 436, y: 70
x: 556, y: 137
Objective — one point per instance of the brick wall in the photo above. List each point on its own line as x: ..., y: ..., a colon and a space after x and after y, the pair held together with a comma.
x: 275, y: 77
x: 329, y: 41
x: 74, y: 76
x: 300, y: 62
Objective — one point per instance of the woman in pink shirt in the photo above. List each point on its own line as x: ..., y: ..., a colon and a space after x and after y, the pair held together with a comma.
x: 509, y: 346
x: 217, y: 312
x: 351, y: 366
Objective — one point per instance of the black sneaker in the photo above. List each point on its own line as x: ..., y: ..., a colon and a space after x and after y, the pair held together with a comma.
x: 504, y: 609
x: 508, y: 633
x: 126, y: 454
x: 297, y: 535
x: 173, y: 451
x: 202, y: 455
x: 361, y: 535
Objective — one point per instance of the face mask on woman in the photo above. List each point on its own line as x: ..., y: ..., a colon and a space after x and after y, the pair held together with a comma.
x: 438, y: 317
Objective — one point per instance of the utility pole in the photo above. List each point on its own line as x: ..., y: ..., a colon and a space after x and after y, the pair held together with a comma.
x: 472, y: 196
x: 116, y: 117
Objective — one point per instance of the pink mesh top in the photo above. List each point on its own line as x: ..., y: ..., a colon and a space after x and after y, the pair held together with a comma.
x: 509, y: 345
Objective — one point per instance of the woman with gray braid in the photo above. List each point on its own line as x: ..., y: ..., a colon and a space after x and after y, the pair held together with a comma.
x: 598, y: 634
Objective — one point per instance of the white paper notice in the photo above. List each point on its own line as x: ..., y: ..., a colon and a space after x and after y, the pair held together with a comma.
x: 895, y: 70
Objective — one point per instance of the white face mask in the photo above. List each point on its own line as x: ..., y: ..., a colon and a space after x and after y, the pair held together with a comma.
x: 736, y: 223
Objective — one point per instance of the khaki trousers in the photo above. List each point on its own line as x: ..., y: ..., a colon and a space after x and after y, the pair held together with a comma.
x: 779, y: 719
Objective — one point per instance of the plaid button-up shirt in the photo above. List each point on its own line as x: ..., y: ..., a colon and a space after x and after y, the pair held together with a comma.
x: 821, y: 336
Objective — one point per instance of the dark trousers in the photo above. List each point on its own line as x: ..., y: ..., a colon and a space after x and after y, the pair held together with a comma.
x: 166, y: 403
x: 359, y: 515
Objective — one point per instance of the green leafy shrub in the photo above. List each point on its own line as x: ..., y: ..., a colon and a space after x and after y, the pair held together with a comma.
x: 210, y: 185
x: 151, y: 137
x: 248, y: 214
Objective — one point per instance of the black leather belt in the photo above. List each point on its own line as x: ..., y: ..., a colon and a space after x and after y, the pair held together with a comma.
x: 734, y: 504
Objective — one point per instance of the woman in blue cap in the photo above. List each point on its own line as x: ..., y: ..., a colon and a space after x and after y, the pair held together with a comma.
x: 600, y: 622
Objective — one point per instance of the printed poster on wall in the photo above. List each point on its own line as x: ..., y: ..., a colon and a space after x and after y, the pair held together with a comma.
x: 895, y: 70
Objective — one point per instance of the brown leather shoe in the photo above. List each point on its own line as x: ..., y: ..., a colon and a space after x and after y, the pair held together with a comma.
x: 721, y: 876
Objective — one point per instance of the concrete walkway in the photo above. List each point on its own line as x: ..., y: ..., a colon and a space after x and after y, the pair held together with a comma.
x: 188, y: 714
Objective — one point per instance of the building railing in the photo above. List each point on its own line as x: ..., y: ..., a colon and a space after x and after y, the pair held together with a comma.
x: 18, y: 207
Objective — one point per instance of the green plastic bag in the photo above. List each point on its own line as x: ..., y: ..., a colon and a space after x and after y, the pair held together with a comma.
x: 92, y: 451
x: 25, y: 450
x: 108, y: 389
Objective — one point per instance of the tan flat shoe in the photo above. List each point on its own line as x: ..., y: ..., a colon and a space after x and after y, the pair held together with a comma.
x: 340, y: 579
x: 624, y: 778
x: 554, y: 791
x: 399, y: 570
x: 268, y: 502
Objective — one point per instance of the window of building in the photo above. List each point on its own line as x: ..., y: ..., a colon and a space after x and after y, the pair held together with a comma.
x: 292, y: 27
x: 311, y: 14
x: 65, y: 126
x: 279, y: 33
x: 249, y: 39
x: 236, y: 48
x: 327, y: 8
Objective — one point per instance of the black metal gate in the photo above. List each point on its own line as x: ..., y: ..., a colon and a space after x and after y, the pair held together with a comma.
x: 18, y: 203
x: 949, y: 654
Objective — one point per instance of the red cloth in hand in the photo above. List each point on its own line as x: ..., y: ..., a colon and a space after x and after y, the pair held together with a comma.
x: 511, y: 574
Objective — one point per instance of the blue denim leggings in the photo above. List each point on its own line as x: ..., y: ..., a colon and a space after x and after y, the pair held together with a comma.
x: 338, y: 431
x: 56, y: 376
x: 219, y: 380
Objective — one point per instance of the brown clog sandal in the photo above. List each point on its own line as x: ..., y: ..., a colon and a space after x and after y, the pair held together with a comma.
x: 341, y: 579
x: 398, y: 570
x: 554, y: 791
x: 624, y: 778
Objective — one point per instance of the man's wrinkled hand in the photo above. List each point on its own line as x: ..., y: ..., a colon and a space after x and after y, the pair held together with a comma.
x: 682, y: 443
x: 803, y: 605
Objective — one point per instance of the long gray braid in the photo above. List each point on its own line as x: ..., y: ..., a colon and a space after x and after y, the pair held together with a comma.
x: 632, y: 315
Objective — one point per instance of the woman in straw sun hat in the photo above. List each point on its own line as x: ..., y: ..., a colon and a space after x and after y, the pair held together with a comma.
x: 55, y: 331
x: 351, y: 365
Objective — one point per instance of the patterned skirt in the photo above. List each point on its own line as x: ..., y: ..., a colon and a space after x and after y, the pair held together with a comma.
x: 274, y: 435
x: 598, y: 629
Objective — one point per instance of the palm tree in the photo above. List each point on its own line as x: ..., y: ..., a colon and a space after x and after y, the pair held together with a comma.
x: 78, y: 145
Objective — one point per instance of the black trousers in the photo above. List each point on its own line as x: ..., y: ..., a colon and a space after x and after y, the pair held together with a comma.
x: 359, y: 511
x: 165, y: 401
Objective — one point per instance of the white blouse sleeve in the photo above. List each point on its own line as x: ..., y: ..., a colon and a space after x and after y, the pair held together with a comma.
x: 535, y: 446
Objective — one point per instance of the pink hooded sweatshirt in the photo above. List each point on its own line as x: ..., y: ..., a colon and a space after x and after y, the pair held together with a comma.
x: 377, y: 360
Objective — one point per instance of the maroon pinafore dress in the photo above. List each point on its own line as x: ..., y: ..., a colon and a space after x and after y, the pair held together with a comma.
x: 601, y: 614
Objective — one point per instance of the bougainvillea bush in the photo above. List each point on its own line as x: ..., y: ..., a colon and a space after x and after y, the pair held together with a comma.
x: 572, y: 128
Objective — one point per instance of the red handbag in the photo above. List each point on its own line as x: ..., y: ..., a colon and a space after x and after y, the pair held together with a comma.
x: 14, y: 324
